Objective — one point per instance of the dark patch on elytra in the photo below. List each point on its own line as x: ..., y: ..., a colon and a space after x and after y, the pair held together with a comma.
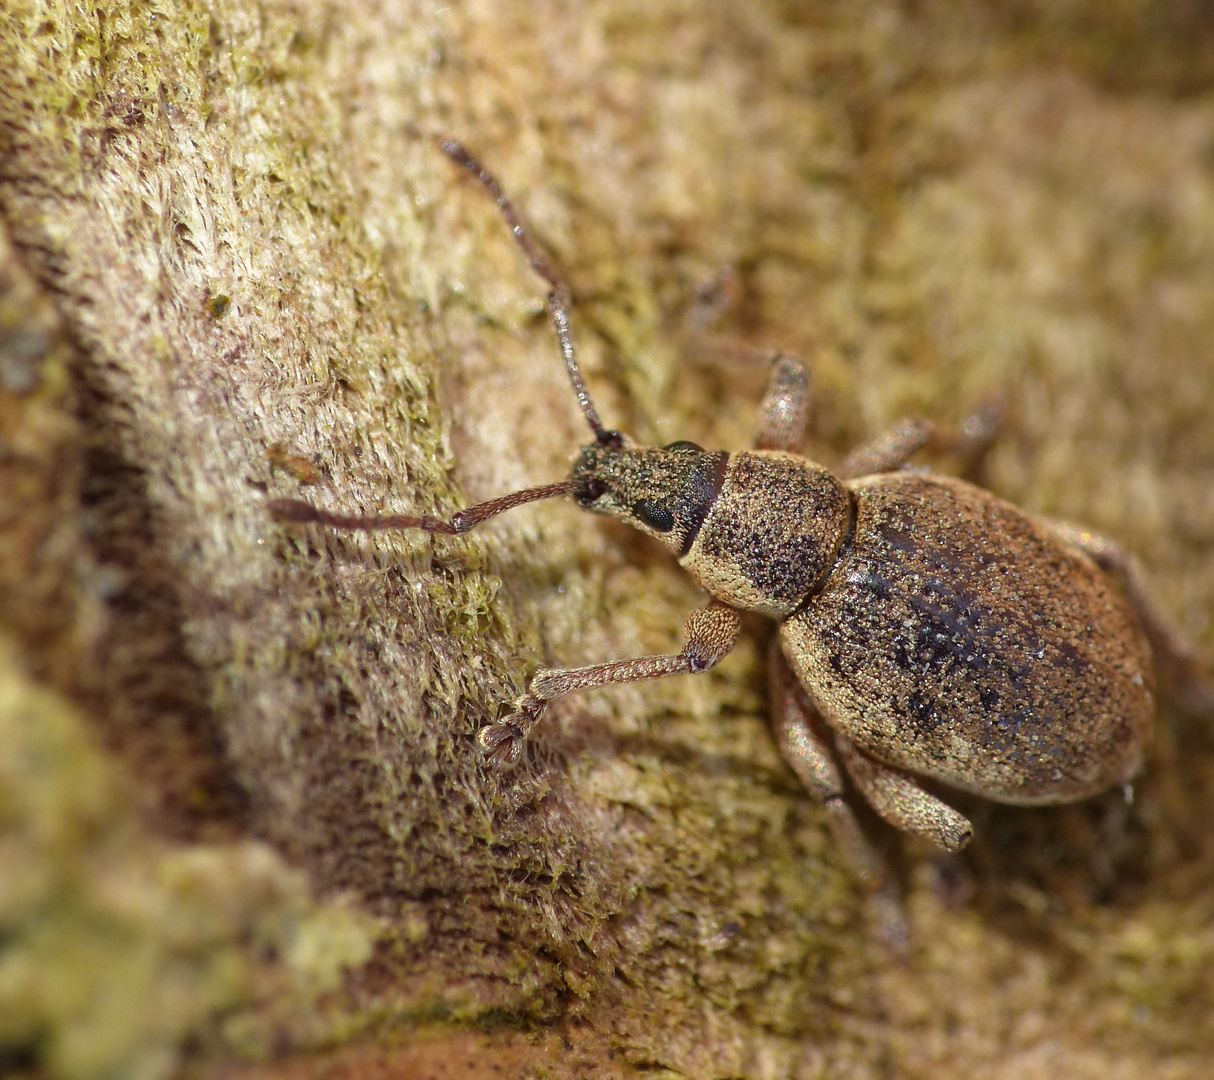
x: 921, y: 709
x: 950, y: 629
x: 959, y: 623
x: 879, y: 586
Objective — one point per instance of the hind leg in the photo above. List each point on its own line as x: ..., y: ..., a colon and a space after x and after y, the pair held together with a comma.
x: 805, y: 745
x: 902, y: 802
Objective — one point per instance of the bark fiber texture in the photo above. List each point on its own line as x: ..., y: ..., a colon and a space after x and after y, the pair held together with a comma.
x: 244, y: 826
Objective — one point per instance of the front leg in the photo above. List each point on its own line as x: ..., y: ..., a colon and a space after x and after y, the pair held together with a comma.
x: 784, y: 414
x: 710, y: 633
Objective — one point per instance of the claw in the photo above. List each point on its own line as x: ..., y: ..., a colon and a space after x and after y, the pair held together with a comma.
x: 503, y: 741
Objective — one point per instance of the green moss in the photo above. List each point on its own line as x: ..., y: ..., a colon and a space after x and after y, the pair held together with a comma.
x: 116, y: 950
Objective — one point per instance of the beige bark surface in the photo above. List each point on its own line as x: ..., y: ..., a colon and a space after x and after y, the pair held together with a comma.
x: 242, y: 813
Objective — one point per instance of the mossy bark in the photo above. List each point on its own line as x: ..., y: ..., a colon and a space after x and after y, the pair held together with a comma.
x: 239, y: 267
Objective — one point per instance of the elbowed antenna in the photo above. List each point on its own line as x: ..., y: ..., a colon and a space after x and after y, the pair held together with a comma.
x: 298, y: 512
x: 558, y: 298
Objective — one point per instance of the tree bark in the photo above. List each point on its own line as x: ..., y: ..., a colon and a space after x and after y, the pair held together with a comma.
x: 240, y: 268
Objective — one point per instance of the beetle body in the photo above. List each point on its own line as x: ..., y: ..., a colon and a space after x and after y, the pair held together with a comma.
x: 938, y: 627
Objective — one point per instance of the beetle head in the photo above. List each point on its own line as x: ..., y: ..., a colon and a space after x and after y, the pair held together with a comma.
x: 663, y: 491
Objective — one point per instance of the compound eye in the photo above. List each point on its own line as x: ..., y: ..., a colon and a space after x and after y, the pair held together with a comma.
x: 653, y: 514
x: 683, y: 444
x: 591, y: 490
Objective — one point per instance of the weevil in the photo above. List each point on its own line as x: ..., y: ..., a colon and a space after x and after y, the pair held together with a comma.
x: 926, y: 627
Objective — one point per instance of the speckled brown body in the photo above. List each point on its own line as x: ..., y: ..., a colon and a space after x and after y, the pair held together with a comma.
x: 957, y: 638
x: 937, y: 627
x: 933, y: 626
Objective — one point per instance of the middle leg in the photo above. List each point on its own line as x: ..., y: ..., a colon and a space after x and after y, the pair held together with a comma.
x: 894, y: 448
